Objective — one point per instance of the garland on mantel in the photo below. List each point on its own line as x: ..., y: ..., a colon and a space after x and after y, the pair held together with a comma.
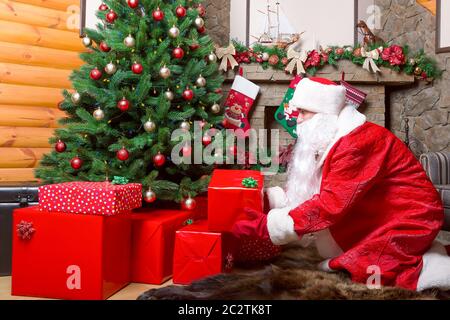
x: 394, y: 57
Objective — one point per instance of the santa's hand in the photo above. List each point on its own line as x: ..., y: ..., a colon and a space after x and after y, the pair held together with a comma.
x: 281, y: 226
x: 277, y: 198
x: 255, y: 227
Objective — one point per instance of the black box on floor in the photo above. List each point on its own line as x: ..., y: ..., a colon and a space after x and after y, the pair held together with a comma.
x: 12, y: 197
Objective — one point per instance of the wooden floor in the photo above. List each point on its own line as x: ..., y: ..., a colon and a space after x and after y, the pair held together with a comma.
x: 131, y: 292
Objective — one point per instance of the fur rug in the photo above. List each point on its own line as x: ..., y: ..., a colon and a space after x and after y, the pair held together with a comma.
x: 292, y: 276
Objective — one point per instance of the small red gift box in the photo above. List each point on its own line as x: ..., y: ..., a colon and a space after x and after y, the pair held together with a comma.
x: 227, y: 198
x: 98, y: 198
x: 200, y: 253
x: 153, y: 243
x: 69, y: 256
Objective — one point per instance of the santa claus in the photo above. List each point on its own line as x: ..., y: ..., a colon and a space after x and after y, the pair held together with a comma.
x: 357, y: 192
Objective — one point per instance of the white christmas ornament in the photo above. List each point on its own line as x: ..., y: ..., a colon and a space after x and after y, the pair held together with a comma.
x: 87, y: 42
x: 110, y: 68
x: 164, y: 72
x: 129, y: 41
x: 99, y: 114
x: 174, y: 32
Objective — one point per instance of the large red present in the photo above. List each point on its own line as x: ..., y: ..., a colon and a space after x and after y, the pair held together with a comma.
x: 70, y: 256
x: 153, y: 243
x: 200, y: 253
x: 99, y: 198
x: 228, y: 197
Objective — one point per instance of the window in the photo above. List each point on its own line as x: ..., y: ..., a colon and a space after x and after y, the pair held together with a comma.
x: 88, y: 10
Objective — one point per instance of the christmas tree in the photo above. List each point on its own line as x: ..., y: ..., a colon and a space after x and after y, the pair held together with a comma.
x: 149, y: 70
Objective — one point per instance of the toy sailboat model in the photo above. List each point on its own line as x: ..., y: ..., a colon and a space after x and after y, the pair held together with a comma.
x: 277, y: 28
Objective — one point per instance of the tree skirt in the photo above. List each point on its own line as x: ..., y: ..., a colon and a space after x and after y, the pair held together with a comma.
x: 293, y: 275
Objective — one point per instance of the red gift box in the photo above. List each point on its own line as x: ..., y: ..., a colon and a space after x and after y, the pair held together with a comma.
x: 200, y: 253
x: 69, y: 256
x: 227, y: 198
x: 98, y: 198
x: 153, y: 243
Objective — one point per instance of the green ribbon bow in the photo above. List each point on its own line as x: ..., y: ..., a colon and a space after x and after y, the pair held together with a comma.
x: 120, y: 180
x: 250, y: 183
x: 189, y: 222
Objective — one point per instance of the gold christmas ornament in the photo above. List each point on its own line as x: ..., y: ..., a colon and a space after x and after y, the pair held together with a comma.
x: 99, y: 114
x: 149, y: 196
x: 418, y: 71
x: 216, y: 108
x: 129, y: 41
x: 87, y: 42
x: 76, y: 97
x: 169, y: 95
x: 185, y: 126
x: 199, y: 22
x: 174, y: 32
x: 164, y: 72
x: 110, y: 68
x: 150, y: 126
x: 212, y: 57
x: 201, y: 81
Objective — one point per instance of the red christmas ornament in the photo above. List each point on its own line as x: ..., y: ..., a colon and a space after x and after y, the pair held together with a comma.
x: 201, y: 10
x: 123, y: 154
x: 178, y: 53
x: 206, y: 140
x: 159, y: 160
x: 202, y: 29
x: 103, y: 7
x: 96, y: 74
x: 137, y: 68
x: 60, y: 146
x: 133, y: 4
x: 188, y: 95
x: 194, y: 46
x: 189, y: 204
x: 76, y: 163
x: 111, y: 16
x: 187, y: 151
x: 104, y: 47
x: 158, y: 15
x: 181, y: 11
x: 123, y: 105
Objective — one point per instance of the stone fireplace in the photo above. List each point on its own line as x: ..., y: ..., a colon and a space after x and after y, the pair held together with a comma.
x: 275, y: 83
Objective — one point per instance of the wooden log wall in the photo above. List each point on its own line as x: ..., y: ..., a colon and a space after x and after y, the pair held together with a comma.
x: 39, y: 48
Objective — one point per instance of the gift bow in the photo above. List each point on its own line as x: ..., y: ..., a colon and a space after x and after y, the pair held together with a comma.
x: 250, y: 183
x: 227, y: 54
x: 120, y: 180
x: 297, y: 60
x: 371, y: 56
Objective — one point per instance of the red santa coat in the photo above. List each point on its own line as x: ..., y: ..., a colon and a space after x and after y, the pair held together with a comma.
x: 378, y: 204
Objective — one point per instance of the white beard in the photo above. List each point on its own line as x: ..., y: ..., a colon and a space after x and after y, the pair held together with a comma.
x: 304, y: 172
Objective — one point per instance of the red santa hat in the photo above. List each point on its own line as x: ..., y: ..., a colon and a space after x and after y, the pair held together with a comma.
x: 319, y: 95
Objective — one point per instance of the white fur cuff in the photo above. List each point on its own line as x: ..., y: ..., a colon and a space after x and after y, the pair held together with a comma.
x: 277, y: 198
x: 281, y: 226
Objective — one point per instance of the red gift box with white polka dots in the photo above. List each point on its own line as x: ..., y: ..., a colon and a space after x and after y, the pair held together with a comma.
x: 96, y: 198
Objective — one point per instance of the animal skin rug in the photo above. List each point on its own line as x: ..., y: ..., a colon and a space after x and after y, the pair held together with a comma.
x: 293, y: 276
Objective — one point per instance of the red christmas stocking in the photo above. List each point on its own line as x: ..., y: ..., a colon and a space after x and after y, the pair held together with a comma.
x: 239, y: 103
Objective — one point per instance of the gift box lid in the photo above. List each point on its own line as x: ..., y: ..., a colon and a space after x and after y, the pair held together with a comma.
x: 95, y: 186
x: 200, y: 226
x: 232, y: 179
x: 159, y: 216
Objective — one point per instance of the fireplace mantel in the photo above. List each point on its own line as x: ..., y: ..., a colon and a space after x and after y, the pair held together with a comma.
x: 353, y: 74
